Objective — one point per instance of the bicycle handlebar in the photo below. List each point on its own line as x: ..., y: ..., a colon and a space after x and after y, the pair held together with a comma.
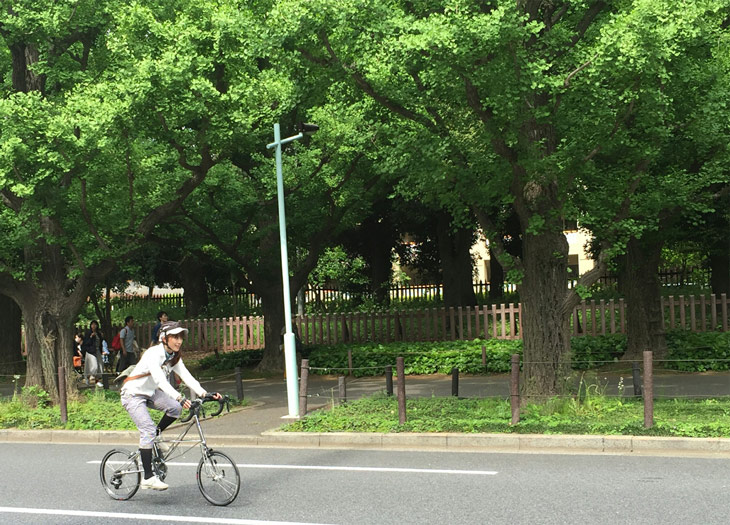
x: 196, y: 405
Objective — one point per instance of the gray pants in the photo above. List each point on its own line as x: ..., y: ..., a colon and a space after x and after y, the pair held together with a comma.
x: 137, y: 405
x: 92, y: 367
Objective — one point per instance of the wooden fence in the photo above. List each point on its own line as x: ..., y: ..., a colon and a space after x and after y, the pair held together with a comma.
x: 323, y: 295
x: 698, y: 314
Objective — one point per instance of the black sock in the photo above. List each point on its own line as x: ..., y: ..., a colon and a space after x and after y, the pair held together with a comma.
x: 146, y: 455
x: 165, y: 422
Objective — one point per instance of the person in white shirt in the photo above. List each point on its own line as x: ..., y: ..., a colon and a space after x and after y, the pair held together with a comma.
x: 147, y: 386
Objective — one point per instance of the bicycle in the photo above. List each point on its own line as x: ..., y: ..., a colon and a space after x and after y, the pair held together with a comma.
x: 218, y: 478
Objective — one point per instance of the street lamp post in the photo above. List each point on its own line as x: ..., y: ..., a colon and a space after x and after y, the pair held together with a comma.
x: 290, y: 357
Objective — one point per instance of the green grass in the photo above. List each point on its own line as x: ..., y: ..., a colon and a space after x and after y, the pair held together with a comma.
x: 595, y: 415
x: 95, y: 410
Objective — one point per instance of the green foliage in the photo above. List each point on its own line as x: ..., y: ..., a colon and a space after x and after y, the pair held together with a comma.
x: 95, y: 410
x: 420, y: 357
x: 590, y: 352
x: 230, y: 360
x: 597, y: 415
x: 35, y: 397
x: 698, y: 352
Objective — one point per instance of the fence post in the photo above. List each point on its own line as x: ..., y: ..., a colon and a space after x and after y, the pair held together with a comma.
x: 349, y: 361
x: 636, y: 378
x: 400, y: 371
x: 303, y: 387
x: 389, y: 380
x: 484, y: 350
x: 62, y: 394
x: 239, y: 384
x: 648, y: 390
x: 515, y: 389
x: 455, y: 382
x: 342, y: 388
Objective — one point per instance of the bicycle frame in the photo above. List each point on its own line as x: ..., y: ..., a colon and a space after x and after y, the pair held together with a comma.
x: 181, y: 441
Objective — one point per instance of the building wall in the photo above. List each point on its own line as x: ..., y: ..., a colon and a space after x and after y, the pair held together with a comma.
x: 578, y: 259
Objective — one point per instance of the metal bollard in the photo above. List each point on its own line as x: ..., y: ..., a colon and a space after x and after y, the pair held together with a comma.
x: 636, y: 378
x: 455, y: 382
x: 342, y: 389
x: 648, y: 389
x: 62, y: 394
x: 239, y: 384
x: 105, y: 381
x: 400, y: 371
x: 303, y: 387
x: 515, y: 389
x: 389, y: 380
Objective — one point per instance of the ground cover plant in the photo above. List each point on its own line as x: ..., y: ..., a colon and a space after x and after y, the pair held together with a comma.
x: 97, y: 409
x: 570, y: 415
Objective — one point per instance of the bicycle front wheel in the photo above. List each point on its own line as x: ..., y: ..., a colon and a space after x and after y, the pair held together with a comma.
x: 218, y: 478
x: 120, y: 474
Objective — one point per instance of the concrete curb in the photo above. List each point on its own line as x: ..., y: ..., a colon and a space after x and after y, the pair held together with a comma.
x: 512, y: 443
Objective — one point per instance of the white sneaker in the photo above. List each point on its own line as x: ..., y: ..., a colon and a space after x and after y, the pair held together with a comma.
x: 99, y: 385
x: 153, y: 483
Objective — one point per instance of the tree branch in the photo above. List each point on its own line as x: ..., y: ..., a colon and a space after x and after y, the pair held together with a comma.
x: 583, y: 25
x: 87, y: 218
x: 496, y: 244
x: 392, y: 105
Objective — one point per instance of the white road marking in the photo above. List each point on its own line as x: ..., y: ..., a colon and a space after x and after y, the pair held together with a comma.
x: 151, y: 517
x: 341, y: 468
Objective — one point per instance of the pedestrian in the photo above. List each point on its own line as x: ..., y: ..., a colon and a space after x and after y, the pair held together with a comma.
x: 126, y: 337
x: 92, y: 347
x: 161, y: 318
x: 147, y: 387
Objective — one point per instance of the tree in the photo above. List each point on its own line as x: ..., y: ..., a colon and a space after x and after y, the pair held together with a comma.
x: 512, y: 103
x: 101, y: 140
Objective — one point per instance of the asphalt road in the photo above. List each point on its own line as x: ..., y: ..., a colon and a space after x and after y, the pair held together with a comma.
x: 60, y: 484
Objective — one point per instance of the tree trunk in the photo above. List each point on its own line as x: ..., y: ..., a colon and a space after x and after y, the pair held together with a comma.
x: 196, y: 289
x: 545, y: 331
x: 720, y: 272
x: 11, y: 359
x: 49, y: 335
x: 456, y: 263
x: 377, y: 237
x: 104, y: 313
x: 639, y: 274
x: 273, y: 309
x: 496, y: 279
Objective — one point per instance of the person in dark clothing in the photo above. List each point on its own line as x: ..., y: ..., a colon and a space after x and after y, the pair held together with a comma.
x: 161, y: 318
x: 92, y: 348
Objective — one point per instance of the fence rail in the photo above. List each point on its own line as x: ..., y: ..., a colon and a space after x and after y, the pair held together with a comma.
x: 694, y: 313
x: 324, y: 295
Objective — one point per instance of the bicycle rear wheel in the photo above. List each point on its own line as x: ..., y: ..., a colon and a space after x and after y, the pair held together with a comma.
x: 218, y: 478
x: 120, y: 474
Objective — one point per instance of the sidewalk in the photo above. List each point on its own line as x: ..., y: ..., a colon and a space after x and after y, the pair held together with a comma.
x: 256, y: 424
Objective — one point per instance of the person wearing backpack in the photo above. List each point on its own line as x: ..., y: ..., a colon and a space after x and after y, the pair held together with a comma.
x: 126, y: 337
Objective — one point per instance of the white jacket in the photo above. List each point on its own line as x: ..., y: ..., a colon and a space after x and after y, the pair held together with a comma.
x: 154, y: 361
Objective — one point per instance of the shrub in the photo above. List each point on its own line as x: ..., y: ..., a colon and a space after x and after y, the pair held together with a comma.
x: 590, y: 352
x: 420, y: 357
x: 230, y: 360
x: 698, y: 352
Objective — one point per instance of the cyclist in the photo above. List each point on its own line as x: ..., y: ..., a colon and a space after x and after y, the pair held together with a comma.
x: 147, y: 386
